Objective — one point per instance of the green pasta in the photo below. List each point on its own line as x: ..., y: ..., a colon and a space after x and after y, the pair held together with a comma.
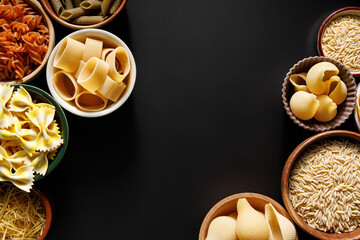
x: 70, y: 14
x: 91, y: 4
x: 105, y: 6
x: 85, y: 20
x: 57, y: 6
x: 76, y: 3
x: 115, y: 6
x: 69, y: 4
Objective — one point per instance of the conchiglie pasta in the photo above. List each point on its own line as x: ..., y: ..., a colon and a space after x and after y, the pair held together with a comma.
x: 318, y: 74
x: 299, y: 82
x: 336, y: 89
x: 304, y: 105
x: 327, y: 109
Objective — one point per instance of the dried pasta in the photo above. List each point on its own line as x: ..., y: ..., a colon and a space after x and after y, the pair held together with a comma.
x: 90, y: 4
x: 86, y: 20
x: 28, y: 143
x: 24, y: 39
x: 91, y: 85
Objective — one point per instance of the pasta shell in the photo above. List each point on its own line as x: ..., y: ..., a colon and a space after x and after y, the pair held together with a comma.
x: 299, y: 82
x: 222, y: 228
x: 304, y: 105
x: 327, y: 109
x: 318, y: 74
x: 250, y: 224
x: 336, y: 89
x: 280, y: 227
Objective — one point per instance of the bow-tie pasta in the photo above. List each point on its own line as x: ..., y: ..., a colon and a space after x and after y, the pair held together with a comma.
x: 317, y: 92
x: 29, y: 141
x: 92, y: 79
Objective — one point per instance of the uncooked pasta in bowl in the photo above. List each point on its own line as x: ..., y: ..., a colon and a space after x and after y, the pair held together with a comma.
x: 91, y: 72
x: 320, y: 185
x: 26, y: 39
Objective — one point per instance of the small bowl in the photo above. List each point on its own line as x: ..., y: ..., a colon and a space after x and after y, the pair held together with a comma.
x: 285, y: 185
x: 50, y: 11
x: 42, y: 96
x: 111, y: 40
x: 344, y: 110
x: 340, y: 12
x: 47, y: 204
x: 46, y: 20
x: 228, y: 205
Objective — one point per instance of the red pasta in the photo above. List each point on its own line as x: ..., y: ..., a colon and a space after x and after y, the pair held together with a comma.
x: 24, y: 39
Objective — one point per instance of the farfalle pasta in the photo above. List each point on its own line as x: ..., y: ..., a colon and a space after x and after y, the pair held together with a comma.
x: 99, y: 78
x: 317, y: 92
x: 29, y: 141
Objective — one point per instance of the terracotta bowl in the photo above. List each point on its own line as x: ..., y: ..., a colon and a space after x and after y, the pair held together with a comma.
x: 341, y: 12
x: 344, y: 110
x: 47, y: 22
x: 285, y: 185
x: 47, y: 204
x: 228, y: 205
x: 48, y: 7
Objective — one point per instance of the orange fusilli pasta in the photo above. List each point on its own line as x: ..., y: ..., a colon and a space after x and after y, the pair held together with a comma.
x: 24, y: 39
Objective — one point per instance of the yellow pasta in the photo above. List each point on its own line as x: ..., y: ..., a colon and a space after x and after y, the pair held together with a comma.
x: 336, y: 89
x: 318, y: 74
x: 299, y: 81
x: 111, y: 89
x: 327, y: 109
x: 65, y: 85
x: 69, y: 55
x: 93, y: 74
x: 118, y: 73
x: 92, y: 48
x: 6, y: 118
x: 304, y: 105
x: 91, y: 102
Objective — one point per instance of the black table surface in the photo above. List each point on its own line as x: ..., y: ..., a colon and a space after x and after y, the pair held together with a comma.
x: 205, y: 119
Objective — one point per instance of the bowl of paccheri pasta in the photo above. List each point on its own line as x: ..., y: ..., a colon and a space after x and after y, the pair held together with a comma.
x: 91, y: 72
x: 81, y: 14
x: 338, y: 38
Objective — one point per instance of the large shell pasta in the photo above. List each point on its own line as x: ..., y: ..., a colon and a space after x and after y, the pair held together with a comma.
x: 318, y: 74
x: 100, y: 77
x: 327, y: 109
x: 30, y: 141
x: 299, y: 81
x: 304, y: 105
x: 336, y: 89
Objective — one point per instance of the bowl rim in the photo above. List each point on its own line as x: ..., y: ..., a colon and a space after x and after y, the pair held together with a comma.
x: 36, y: 72
x: 285, y: 185
x: 325, y: 126
x: 54, y: 16
x: 64, y: 126
x: 211, y: 213
x: 47, y: 204
x: 107, y: 110
x: 356, y: 110
x: 326, y: 22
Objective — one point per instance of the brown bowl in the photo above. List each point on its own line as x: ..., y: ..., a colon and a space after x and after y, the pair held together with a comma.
x: 344, y: 110
x: 48, y: 7
x: 46, y: 20
x: 228, y: 205
x: 340, y: 12
x: 47, y: 206
x: 285, y: 185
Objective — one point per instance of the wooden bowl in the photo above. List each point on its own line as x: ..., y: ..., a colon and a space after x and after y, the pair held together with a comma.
x: 340, y: 12
x: 344, y: 110
x: 228, y: 205
x: 285, y: 185
x: 47, y: 22
x: 50, y: 11
x: 47, y: 204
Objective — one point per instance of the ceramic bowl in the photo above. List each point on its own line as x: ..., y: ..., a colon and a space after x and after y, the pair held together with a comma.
x: 338, y: 13
x: 228, y: 205
x: 285, y: 184
x: 41, y: 96
x: 344, y: 110
x: 109, y: 40
x: 357, y: 109
x: 47, y: 22
x: 48, y: 7
x: 47, y: 204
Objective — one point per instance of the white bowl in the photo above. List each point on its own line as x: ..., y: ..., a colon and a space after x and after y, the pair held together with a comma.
x: 110, y: 39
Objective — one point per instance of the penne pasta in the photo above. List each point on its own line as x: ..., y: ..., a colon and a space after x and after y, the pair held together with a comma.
x: 85, y: 20
x: 57, y: 5
x: 69, y: 4
x: 105, y: 7
x: 76, y: 3
x: 90, y: 4
x: 73, y: 13
x: 116, y: 4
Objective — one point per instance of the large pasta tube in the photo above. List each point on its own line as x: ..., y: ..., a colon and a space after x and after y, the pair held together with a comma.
x: 91, y: 102
x: 69, y: 55
x: 111, y: 89
x: 118, y: 73
x: 93, y: 74
x: 65, y: 85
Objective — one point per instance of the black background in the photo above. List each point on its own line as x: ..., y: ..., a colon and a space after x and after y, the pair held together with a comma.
x: 205, y: 119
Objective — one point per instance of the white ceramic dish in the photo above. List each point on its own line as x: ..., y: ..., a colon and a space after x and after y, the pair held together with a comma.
x: 111, y: 39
